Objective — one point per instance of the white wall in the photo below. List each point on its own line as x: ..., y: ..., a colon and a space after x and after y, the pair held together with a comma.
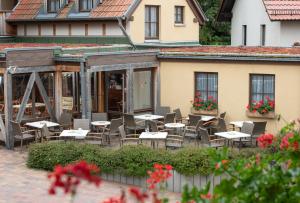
x: 47, y: 30
x: 253, y: 14
x: 290, y: 33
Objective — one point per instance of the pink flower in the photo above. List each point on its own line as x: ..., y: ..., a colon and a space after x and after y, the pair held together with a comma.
x: 265, y: 140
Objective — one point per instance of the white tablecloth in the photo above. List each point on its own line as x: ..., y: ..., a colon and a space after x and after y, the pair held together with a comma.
x: 40, y: 124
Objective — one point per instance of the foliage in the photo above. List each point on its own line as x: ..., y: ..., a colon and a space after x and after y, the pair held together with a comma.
x: 266, y: 177
x: 213, y: 32
x: 262, y: 107
x: 208, y: 105
x: 128, y: 160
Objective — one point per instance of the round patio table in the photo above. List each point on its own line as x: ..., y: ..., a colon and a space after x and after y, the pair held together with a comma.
x: 176, y: 126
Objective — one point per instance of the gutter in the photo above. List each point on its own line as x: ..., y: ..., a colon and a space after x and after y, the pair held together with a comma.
x: 125, y: 33
x: 270, y: 58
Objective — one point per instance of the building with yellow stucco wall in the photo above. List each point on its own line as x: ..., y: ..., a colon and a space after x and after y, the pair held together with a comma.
x: 177, y: 73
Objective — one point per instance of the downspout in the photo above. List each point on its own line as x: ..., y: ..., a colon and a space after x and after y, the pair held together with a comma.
x: 125, y: 33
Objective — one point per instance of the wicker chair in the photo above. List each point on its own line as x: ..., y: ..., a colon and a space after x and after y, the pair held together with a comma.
x: 193, y: 119
x: 222, y: 115
x: 207, y: 141
x: 169, y: 118
x: 83, y: 124
x: 99, y: 116
x: 191, y: 132
x: 174, y: 142
x: 132, y: 125
x: 65, y: 120
x: 49, y: 136
x: 259, y: 128
x: 113, y: 129
x: 163, y: 110
x: 20, y: 135
x: 127, y: 138
x: 178, y: 114
x: 247, y: 128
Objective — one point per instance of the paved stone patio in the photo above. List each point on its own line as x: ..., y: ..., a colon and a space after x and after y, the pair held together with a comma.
x: 18, y: 184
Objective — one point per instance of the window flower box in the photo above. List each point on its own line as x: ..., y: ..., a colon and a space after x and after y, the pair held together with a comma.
x: 208, y: 106
x: 256, y: 114
x: 205, y: 112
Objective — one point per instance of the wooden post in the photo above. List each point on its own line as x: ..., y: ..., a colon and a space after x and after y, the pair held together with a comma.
x: 129, y: 86
x: 58, y: 93
x: 25, y: 98
x: 8, y: 109
x: 83, y: 90
x: 89, y: 95
x: 157, y: 90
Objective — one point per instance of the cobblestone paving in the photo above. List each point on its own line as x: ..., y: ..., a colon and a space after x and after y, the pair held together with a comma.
x: 18, y: 184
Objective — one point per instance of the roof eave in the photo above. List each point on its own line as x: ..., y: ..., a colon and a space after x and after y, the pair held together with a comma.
x: 65, y: 19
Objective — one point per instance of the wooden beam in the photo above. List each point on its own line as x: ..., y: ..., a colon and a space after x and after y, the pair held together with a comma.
x: 123, y: 66
x: 58, y: 93
x: 83, y: 90
x: 2, y: 130
x: 157, y: 86
x: 8, y: 110
x: 44, y: 96
x: 16, y: 70
x: 89, y: 95
x: 68, y: 68
x: 25, y: 98
x: 129, y: 93
x: 2, y: 70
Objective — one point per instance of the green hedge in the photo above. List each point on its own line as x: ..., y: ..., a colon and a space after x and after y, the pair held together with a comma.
x: 129, y: 160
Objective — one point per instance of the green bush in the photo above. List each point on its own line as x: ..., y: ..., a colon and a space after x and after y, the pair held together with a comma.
x: 128, y: 160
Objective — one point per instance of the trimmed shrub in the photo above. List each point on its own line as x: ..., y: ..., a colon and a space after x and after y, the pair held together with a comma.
x: 128, y: 160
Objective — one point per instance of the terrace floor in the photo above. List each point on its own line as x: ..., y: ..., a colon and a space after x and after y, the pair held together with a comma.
x: 22, y: 185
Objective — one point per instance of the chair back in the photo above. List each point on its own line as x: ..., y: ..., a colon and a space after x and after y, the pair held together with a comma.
x: 259, y: 127
x: 203, y: 133
x: 99, y: 116
x: 163, y: 110
x: 222, y: 125
x: 84, y: 124
x: 178, y: 114
x: 193, y: 119
x: 222, y: 115
x: 115, y: 124
x: 129, y: 120
x: 122, y: 131
x: 16, y: 128
x: 199, y: 125
x: 153, y: 126
x: 247, y: 128
x: 65, y: 118
x: 170, y: 118
x: 45, y: 131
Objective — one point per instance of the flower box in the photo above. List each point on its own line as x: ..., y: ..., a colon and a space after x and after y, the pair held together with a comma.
x: 270, y: 115
x: 205, y: 112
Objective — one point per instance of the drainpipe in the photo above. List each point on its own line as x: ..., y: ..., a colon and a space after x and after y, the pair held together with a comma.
x: 125, y: 33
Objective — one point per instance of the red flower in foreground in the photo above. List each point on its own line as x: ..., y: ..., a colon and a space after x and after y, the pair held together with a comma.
x: 160, y: 175
x: 69, y: 177
x: 286, y: 143
x: 206, y: 196
x: 265, y: 140
x: 139, y: 196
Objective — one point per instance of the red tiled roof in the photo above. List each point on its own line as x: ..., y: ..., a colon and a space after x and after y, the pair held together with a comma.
x: 283, y: 9
x: 34, y: 45
x: 65, y: 11
x: 26, y: 9
x: 111, y: 8
x: 214, y: 50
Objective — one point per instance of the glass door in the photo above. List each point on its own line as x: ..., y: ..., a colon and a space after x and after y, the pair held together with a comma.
x: 115, y: 93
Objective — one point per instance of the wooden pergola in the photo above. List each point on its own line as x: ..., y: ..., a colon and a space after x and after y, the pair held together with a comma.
x: 34, y: 61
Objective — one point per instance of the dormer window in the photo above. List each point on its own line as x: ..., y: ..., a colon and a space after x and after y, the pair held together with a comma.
x: 53, y: 6
x: 85, y: 5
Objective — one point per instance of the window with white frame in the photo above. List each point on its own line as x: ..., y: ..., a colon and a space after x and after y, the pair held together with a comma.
x: 151, y: 22
x: 179, y: 14
x: 53, y: 6
x: 262, y: 87
x: 85, y: 5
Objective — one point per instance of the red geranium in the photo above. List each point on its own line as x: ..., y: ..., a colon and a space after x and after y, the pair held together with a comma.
x: 68, y: 177
x: 265, y: 140
x: 286, y: 142
x: 160, y: 175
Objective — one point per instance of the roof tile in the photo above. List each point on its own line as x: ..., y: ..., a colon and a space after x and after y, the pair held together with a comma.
x: 283, y: 9
x: 26, y: 9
